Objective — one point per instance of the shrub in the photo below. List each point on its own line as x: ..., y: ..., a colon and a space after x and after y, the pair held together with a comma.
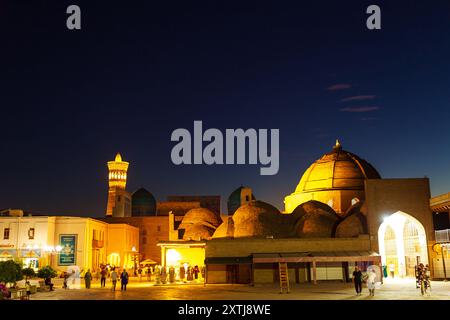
x: 46, y: 272
x: 10, y: 271
x: 28, y: 273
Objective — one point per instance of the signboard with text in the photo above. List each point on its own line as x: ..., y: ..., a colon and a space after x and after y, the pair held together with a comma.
x: 68, y: 254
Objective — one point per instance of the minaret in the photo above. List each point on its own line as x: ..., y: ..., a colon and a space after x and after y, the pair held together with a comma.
x: 119, y: 200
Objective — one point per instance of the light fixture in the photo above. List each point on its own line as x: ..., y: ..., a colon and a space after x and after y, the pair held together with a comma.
x: 58, y: 248
x: 133, y: 249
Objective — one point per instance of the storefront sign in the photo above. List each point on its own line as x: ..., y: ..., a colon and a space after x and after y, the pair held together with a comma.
x: 68, y: 254
x: 33, y: 253
x: 6, y: 246
x: 8, y: 253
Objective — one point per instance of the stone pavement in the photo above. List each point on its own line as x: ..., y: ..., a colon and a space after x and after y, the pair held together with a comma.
x: 390, y: 290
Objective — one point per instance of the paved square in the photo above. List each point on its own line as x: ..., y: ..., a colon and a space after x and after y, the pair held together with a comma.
x: 390, y: 290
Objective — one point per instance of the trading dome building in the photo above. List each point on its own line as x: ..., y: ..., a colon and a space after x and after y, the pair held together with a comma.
x: 341, y: 214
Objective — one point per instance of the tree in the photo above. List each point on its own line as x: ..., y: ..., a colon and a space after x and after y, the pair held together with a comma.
x: 10, y: 271
x: 46, y: 272
x: 28, y: 273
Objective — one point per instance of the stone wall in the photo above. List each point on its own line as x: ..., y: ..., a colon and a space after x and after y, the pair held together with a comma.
x: 241, y: 247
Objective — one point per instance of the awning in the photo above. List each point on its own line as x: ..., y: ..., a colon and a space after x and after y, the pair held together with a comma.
x: 229, y: 260
x: 147, y: 262
x: 337, y: 256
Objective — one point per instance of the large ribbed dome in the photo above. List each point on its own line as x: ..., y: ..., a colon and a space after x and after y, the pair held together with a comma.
x: 338, y: 169
x: 336, y: 179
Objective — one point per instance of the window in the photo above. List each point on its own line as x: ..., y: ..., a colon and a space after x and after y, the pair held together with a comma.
x: 144, y: 240
x: 31, y: 233
x: 247, y: 199
x: 118, y: 198
x: 159, y: 228
x: 144, y: 232
x: 6, y: 234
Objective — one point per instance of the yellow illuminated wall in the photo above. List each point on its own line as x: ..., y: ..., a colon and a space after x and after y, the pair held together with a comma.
x: 194, y: 256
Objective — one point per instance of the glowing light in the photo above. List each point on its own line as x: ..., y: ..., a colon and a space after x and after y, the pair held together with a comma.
x: 172, y: 257
x: 133, y: 249
x: 58, y: 248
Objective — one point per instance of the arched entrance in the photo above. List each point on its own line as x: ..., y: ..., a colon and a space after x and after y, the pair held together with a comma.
x: 402, y: 243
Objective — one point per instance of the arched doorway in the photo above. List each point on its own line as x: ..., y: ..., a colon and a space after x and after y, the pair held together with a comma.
x: 402, y: 243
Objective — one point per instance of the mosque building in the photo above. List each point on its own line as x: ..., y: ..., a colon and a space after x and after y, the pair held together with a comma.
x: 341, y: 213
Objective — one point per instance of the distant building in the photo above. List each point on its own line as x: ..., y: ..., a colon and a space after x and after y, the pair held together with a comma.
x: 239, y: 197
x: 208, y: 202
x: 143, y: 203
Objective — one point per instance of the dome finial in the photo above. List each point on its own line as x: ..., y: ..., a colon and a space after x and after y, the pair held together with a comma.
x: 118, y: 157
x: 337, y: 145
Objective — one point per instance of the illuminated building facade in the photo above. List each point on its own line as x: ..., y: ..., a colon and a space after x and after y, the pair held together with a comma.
x: 119, y: 200
x: 342, y: 213
x: 63, y: 242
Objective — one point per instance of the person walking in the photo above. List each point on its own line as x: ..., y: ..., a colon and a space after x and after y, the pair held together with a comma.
x: 103, y: 274
x: 87, y: 279
x: 114, y: 277
x: 371, y: 282
x: 149, y: 274
x: 123, y: 280
x: 357, y: 280
x: 66, y: 277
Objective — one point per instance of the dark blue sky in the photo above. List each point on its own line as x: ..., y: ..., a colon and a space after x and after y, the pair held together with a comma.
x: 71, y: 99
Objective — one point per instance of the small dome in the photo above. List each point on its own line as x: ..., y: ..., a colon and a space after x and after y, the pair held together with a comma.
x: 200, y: 216
x: 352, y: 226
x: 143, y: 203
x: 118, y: 157
x: 198, y: 232
x: 315, y: 219
x: 226, y: 229
x: 238, y: 197
x: 258, y: 219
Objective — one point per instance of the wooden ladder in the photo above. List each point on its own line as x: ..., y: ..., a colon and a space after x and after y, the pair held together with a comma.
x: 284, y: 277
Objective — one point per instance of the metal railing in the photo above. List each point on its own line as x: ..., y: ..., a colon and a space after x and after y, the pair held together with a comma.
x: 442, y: 235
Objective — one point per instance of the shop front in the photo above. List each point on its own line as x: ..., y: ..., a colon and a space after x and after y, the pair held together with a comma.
x: 182, y: 262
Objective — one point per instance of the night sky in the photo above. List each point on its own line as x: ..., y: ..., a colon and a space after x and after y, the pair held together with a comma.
x: 135, y: 72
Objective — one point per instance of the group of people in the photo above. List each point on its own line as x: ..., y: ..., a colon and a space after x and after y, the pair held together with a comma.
x: 370, y: 278
x: 112, y: 274
x: 183, y: 273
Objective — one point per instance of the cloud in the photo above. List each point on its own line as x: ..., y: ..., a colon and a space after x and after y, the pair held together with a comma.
x: 359, y: 109
x: 339, y: 86
x: 359, y: 98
